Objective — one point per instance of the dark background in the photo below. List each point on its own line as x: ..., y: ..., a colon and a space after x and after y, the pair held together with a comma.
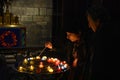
x: 73, y: 11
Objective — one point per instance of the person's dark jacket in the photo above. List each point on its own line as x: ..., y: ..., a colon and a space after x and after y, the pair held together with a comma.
x: 100, y: 52
x: 77, y: 73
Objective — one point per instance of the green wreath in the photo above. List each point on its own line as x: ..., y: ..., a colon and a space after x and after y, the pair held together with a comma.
x: 8, y: 44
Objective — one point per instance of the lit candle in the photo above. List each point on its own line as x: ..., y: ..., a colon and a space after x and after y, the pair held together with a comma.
x: 48, y: 67
x: 20, y: 68
x: 31, y: 58
x: 31, y: 62
x: 62, y: 67
x: 54, y: 59
x: 31, y: 68
x: 64, y: 62
x: 41, y: 65
x: 61, y: 63
x: 44, y: 57
x: 49, y: 60
x: 65, y: 65
x: 50, y: 70
x: 25, y: 61
x: 38, y: 57
x: 57, y: 62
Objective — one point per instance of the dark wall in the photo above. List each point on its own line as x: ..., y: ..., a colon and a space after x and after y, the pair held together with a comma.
x: 57, y: 24
x: 113, y: 7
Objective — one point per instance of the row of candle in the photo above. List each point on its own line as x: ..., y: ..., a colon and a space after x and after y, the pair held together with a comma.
x: 31, y: 68
x: 60, y: 65
x: 51, y: 60
x: 34, y: 58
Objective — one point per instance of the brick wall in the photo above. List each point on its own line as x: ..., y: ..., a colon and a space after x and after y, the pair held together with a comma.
x: 36, y: 16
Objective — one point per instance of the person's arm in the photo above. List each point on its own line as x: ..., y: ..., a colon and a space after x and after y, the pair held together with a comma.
x: 60, y: 52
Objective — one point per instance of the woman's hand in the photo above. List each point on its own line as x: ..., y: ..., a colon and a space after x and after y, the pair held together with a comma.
x: 48, y: 45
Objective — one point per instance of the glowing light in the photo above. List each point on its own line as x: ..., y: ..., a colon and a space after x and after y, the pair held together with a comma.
x: 65, y: 65
x: 31, y: 68
x: 31, y: 58
x: 51, y: 70
x: 20, y: 68
x: 31, y: 62
x: 25, y: 61
x: 41, y: 65
x: 37, y: 57
x: 44, y: 57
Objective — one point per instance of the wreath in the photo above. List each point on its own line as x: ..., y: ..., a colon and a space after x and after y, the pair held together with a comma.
x: 12, y: 41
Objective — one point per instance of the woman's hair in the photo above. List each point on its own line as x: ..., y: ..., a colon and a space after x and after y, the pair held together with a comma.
x: 98, y: 12
x: 74, y: 27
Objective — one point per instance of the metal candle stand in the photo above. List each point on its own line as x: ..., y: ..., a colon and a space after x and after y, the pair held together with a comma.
x: 42, y: 68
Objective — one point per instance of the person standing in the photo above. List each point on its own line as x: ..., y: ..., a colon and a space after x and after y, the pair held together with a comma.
x: 98, y: 64
x: 75, y: 52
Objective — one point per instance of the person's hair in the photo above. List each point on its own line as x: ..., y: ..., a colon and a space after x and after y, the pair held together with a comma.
x: 98, y: 12
x: 74, y: 29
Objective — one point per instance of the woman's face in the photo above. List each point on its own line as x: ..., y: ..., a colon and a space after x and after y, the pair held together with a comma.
x: 92, y: 24
x: 72, y: 36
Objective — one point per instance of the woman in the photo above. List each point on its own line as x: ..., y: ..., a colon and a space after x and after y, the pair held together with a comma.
x: 75, y: 52
x: 98, y: 21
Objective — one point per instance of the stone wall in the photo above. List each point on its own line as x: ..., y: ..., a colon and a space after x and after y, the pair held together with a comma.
x: 36, y: 16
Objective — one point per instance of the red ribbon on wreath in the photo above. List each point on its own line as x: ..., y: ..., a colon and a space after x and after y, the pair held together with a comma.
x: 12, y: 36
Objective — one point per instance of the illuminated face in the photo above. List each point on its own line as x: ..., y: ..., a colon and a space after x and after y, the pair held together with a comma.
x: 72, y: 36
x: 92, y: 24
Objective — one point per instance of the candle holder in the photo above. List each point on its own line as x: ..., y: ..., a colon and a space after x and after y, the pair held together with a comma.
x: 45, y: 69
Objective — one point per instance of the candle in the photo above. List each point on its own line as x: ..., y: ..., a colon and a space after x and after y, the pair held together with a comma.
x: 64, y: 62
x: 44, y: 57
x: 57, y: 62
x: 25, y: 61
x: 31, y: 62
x: 31, y: 58
x: 48, y: 67
x: 65, y: 65
x: 37, y: 57
x: 20, y: 68
x: 41, y: 66
x: 50, y: 70
x: 62, y: 67
x: 54, y: 59
x: 31, y: 68
x: 61, y: 63
x: 49, y: 60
